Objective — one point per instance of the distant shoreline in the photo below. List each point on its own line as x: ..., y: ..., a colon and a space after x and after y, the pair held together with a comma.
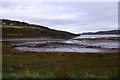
x: 110, y: 32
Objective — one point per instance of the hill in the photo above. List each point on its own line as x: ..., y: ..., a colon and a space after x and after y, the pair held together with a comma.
x: 102, y: 32
x: 17, y: 29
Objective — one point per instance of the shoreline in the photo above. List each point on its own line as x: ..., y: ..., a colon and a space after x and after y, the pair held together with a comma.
x: 57, y: 64
x: 59, y: 45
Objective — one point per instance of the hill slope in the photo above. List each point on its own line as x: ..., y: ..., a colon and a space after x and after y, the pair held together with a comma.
x: 17, y: 29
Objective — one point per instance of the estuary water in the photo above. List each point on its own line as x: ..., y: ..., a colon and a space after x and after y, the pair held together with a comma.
x: 72, y: 45
x: 98, y: 36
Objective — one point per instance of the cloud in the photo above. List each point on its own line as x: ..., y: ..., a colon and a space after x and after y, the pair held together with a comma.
x: 75, y: 17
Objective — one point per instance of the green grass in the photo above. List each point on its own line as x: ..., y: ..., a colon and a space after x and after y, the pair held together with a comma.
x: 32, y: 32
x: 58, y: 65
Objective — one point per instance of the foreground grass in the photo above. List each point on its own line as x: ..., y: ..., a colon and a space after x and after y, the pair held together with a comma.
x: 58, y: 65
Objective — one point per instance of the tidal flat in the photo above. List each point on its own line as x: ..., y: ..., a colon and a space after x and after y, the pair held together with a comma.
x: 28, y: 64
x: 62, y: 45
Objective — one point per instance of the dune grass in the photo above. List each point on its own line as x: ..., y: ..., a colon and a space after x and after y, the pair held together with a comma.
x: 58, y: 65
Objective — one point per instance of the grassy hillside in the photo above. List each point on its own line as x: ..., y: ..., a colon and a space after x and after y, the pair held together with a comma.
x: 16, y: 29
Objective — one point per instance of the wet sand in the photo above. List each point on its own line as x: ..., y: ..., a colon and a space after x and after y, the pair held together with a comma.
x: 60, y: 45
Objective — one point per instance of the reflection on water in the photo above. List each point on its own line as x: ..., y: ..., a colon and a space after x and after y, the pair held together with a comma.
x: 58, y: 49
x: 72, y: 45
x: 97, y: 36
x: 66, y: 46
x: 106, y: 44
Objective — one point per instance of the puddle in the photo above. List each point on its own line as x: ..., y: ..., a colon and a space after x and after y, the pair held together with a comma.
x: 58, y: 49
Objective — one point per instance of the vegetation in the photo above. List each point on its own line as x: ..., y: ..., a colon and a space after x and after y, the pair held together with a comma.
x: 18, y: 23
x: 17, y: 64
x: 58, y: 65
x: 16, y: 29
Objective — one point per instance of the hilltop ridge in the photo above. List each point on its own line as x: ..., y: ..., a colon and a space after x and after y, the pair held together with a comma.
x: 18, y: 29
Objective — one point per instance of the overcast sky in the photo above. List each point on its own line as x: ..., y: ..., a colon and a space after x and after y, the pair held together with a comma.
x: 75, y: 17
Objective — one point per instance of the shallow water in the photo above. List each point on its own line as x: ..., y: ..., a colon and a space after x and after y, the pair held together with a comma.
x: 59, y: 49
x: 60, y: 45
x: 69, y: 46
x: 103, y: 44
x: 106, y: 44
x: 97, y: 36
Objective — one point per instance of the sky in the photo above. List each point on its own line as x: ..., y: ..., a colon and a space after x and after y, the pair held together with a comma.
x: 75, y: 17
